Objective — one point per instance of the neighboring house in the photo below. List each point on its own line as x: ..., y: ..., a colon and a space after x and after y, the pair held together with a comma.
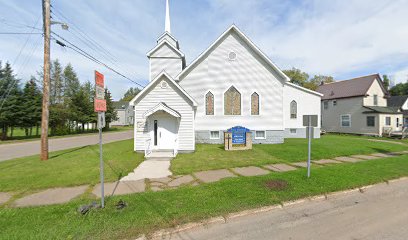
x: 124, y: 112
x: 359, y: 106
x: 400, y: 102
x: 232, y: 83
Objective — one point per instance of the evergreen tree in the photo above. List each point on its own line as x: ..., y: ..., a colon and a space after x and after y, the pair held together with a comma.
x: 110, y: 114
x: 130, y: 94
x: 31, y: 102
x: 10, y: 108
x: 71, y: 81
x: 56, y: 83
x: 386, y: 81
x: 81, y: 105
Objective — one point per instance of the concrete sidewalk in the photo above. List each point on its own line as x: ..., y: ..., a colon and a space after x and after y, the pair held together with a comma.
x: 16, y: 150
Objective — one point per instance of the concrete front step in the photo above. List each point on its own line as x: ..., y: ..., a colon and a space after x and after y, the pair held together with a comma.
x: 160, y: 154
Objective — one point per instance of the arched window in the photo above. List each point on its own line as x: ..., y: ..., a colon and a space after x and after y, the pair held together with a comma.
x: 293, y: 109
x: 254, y: 104
x: 209, y: 104
x: 232, y: 102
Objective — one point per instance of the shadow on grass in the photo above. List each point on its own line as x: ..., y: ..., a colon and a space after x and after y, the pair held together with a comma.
x: 379, y: 150
x: 70, y: 151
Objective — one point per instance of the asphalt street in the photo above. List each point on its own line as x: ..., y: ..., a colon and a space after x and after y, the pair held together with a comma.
x: 378, y: 213
x: 15, y: 150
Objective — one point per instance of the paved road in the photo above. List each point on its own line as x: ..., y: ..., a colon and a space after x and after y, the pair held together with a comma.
x: 378, y: 213
x: 15, y: 150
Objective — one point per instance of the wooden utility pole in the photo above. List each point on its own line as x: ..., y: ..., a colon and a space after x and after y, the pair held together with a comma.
x: 46, y: 81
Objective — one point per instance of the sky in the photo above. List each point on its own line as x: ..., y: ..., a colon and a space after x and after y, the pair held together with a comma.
x: 343, y: 39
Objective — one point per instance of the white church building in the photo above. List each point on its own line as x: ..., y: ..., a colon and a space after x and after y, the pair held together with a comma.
x: 232, y: 83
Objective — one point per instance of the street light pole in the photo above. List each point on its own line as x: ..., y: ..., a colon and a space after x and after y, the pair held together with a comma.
x: 46, y: 81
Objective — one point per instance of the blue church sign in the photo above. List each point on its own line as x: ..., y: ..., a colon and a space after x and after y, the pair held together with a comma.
x: 238, y: 134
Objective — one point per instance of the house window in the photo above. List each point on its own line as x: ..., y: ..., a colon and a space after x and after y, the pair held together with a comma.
x: 375, y: 99
x: 326, y: 105
x: 254, y: 104
x: 397, y: 122
x: 260, y: 134
x: 232, y: 102
x: 293, y: 131
x: 214, y: 135
x: 293, y: 109
x: 370, y: 121
x: 334, y: 103
x: 209, y: 104
x: 388, y: 121
x: 345, y: 120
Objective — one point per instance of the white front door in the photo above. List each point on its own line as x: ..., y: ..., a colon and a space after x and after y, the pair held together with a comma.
x: 164, y: 131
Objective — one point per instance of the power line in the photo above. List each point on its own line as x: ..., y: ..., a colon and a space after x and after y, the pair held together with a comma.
x: 18, y: 33
x: 90, y: 57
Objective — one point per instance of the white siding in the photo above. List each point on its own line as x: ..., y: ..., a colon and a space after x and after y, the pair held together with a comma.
x: 307, y: 104
x: 248, y: 74
x: 172, y: 97
x: 375, y: 89
x: 165, y: 59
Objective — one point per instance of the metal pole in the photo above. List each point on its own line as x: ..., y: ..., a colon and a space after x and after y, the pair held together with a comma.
x: 101, y: 160
x: 46, y: 80
x: 309, y: 146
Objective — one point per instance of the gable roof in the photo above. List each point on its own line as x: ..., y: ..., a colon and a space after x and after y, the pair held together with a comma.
x: 162, y: 107
x: 152, y: 83
x: 377, y: 109
x: 349, y: 88
x: 303, y: 89
x: 165, y: 42
x: 396, y: 101
x: 240, y: 34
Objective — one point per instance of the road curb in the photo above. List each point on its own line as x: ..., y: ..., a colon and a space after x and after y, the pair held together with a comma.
x: 162, y: 234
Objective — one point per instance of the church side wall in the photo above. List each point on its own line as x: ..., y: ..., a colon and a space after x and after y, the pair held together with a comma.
x: 248, y: 74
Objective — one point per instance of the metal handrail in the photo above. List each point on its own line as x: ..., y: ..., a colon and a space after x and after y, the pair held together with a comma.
x: 148, y: 149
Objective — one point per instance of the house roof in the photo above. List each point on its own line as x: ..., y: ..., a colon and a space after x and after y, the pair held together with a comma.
x: 349, y: 88
x: 240, y: 34
x: 397, y: 101
x: 120, y: 104
x: 377, y: 109
x: 304, y: 89
x: 152, y: 83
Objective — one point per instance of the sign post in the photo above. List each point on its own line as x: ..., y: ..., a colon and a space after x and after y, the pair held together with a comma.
x: 309, y: 121
x: 100, y: 108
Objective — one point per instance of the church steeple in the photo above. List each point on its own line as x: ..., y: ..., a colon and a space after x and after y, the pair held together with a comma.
x: 167, y: 23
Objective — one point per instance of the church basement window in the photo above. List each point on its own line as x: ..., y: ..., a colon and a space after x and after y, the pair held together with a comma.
x: 232, y: 102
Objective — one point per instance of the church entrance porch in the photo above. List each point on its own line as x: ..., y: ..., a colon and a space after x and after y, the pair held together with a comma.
x: 163, y: 124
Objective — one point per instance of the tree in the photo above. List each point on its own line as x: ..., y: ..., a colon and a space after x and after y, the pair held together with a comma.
x: 399, y: 89
x: 56, y: 83
x: 31, y: 102
x: 71, y: 81
x: 81, y: 105
x: 386, y: 81
x: 110, y: 114
x: 130, y: 94
x: 296, y: 76
x: 10, y: 108
x: 317, y: 80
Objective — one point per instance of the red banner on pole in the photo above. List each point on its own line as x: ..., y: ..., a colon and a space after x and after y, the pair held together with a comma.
x: 99, y: 79
x: 100, y: 105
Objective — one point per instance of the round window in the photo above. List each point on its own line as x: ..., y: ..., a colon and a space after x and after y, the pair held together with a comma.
x: 232, y: 56
x: 163, y: 84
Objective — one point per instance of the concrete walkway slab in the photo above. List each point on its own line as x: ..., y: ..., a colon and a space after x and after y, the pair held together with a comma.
x: 365, y: 157
x: 382, y: 155
x: 181, y: 181
x: 4, y: 197
x: 348, y: 159
x: 326, y: 161
x: 150, y: 169
x: 280, y: 167
x: 299, y: 164
x: 250, y: 171
x: 120, y: 188
x: 51, y: 196
x: 213, y: 175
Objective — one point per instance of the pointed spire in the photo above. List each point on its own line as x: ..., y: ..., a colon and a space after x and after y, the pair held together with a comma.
x: 167, y: 24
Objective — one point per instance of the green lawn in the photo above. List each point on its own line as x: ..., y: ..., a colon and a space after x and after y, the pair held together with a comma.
x: 209, y: 156
x: 150, y: 211
x: 68, y: 167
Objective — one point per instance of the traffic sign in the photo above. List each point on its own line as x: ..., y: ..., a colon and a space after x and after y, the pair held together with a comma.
x: 310, y: 120
x: 99, y: 92
x: 100, y: 105
x: 99, y: 79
